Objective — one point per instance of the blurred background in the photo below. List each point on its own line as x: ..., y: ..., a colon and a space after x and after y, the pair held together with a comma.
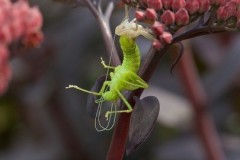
x: 40, y: 120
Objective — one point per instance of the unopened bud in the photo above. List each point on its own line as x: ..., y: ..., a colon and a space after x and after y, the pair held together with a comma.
x: 168, y: 17
x: 222, y: 14
x: 158, y: 28
x: 3, y: 54
x: 140, y: 15
x: 181, y: 17
x: 34, y: 21
x: 166, y: 37
x: 157, y: 44
x: 217, y: 2
x: 237, y: 14
x: 33, y: 39
x: 151, y: 14
x: 5, y: 72
x: 155, y: 4
x: 231, y: 7
x: 203, y: 5
x: 177, y: 4
x: 192, y: 6
x: 167, y: 4
x: 5, y: 34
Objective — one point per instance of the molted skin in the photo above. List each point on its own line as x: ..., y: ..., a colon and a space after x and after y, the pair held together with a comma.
x: 133, y: 30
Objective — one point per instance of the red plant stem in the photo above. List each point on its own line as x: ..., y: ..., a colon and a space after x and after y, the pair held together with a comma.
x: 119, y: 140
x: 67, y: 131
x: 198, y: 97
x: 120, y: 136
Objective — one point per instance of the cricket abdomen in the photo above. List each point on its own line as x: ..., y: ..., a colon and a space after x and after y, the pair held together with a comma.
x: 110, y: 95
x: 131, y: 54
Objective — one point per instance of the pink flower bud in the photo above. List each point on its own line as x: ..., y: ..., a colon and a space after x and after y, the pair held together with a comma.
x: 192, y: 6
x: 33, y: 39
x: 203, y: 5
x: 181, y: 17
x: 231, y: 7
x: 17, y: 20
x: 157, y: 44
x: 155, y: 4
x: 16, y: 26
x: 217, y: 2
x: 222, y: 14
x: 34, y: 21
x: 2, y: 17
x: 5, y: 76
x: 3, y: 54
x: 167, y: 4
x: 166, y: 37
x: 177, y: 4
x: 5, y: 5
x: 237, y: 14
x: 158, y: 28
x: 140, y: 15
x: 5, y: 34
x: 228, y: 10
x: 151, y: 14
x: 236, y: 1
x: 168, y: 17
x: 5, y: 71
x: 21, y: 8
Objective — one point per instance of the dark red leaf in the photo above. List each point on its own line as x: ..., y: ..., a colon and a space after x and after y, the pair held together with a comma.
x: 142, y: 121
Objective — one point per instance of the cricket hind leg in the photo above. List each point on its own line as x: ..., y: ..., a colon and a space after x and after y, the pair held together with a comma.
x: 83, y: 90
x: 105, y: 87
x: 90, y: 92
x: 128, y: 110
x: 134, y: 81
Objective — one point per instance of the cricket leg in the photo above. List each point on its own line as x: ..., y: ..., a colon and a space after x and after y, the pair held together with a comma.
x: 106, y: 66
x: 120, y: 111
x: 90, y: 92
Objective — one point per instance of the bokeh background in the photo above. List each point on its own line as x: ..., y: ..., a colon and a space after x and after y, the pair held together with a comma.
x: 40, y: 120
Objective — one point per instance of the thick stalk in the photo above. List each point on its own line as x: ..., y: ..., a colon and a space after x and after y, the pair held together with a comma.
x: 120, y: 136
x: 198, y: 97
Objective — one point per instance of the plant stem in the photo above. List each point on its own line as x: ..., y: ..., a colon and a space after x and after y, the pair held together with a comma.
x: 150, y: 62
x: 198, y: 97
x: 120, y: 136
x: 103, y: 21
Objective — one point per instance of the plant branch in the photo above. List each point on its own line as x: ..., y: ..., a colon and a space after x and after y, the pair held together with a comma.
x: 120, y: 136
x: 103, y: 22
x: 198, y: 97
x: 109, y: 11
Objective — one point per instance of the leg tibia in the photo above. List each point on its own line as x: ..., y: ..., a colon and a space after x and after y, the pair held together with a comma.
x: 83, y: 90
x: 121, y: 111
x: 106, y: 66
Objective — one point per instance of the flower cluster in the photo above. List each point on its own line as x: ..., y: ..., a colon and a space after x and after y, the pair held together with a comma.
x: 167, y: 16
x: 18, y: 21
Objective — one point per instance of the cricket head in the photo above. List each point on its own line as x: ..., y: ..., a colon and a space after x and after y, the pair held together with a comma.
x: 133, y: 30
